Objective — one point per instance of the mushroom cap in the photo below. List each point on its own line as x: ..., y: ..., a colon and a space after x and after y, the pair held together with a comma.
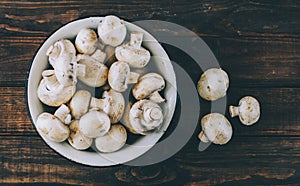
x: 77, y: 139
x: 86, y: 41
x: 96, y: 75
x: 51, y: 127
x: 112, y: 141
x: 147, y: 85
x: 213, y: 84
x: 248, y: 110
x: 114, y: 105
x: 216, y: 128
x: 118, y: 76
x: 135, y: 57
x: 61, y: 48
x: 112, y: 30
x: 94, y: 124
x: 145, y: 117
x: 55, y: 95
x: 79, y: 103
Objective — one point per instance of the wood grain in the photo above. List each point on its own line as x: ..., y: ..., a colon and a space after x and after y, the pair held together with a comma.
x: 30, y: 160
x: 257, y: 42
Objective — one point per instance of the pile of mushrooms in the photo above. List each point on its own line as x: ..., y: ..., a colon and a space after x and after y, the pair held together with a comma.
x: 213, y: 85
x: 83, y: 119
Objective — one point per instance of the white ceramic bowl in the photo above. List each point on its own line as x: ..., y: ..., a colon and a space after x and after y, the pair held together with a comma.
x: 128, y: 152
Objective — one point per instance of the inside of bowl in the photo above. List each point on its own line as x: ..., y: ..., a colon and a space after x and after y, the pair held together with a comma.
x: 129, y: 152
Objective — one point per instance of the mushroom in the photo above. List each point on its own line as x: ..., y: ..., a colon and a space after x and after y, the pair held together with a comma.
x: 52, y: 126
x: 133, y: 53
x: 248, y: 110
x: 148, y: 86
x: 112, y: 141
x: 79, y: 104
x: 86, y: 41
x: 112, y: 103
x: 77, y: 139
x: 119, y: 76
x: 144, y: 117
x: 213, y: 84
x: 62, y: 57
x: 215, y: 128
x: 112, y: 30
x: 94, y: 124
x: 51, y: 92
x: 96, y: 75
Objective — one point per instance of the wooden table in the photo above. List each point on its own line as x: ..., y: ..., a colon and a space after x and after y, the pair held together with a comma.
x: 256, y: 42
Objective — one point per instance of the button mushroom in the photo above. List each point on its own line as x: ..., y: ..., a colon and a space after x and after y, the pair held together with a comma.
x: 94, y: 124
x: 112, y: 103
x: 51, y: 92
x: 77, y: 139
x: 96, y: 75
x: 86, y: 41
x: 144, y: 117
x: 119, y: 76
x: 79, y: 104
x: 213, y: 84
x: 62, y: 57
x: 112, y: 141
x: 148, y: 86
x: 248, y: 110
x: 52, y: 126
x: 112, y: 30
x: 133, y: 53
x: 215, y: 128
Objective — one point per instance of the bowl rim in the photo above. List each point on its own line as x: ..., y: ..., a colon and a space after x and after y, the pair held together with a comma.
x: 58, y: 150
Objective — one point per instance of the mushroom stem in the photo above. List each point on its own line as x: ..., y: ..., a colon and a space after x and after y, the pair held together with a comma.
x: 234, y: 111
x: 51, y: 80
x: 96, y: 103
x: 203, y: 137
x: 136, y: 39
x: 156, y: 97
x: 133, y: 77
x: 152, y: 114
x: 63, y: 114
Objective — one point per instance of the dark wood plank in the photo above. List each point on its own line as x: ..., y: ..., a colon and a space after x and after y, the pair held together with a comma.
x: 249, y: 62
x: 208, y: 18
x: 256, y: 160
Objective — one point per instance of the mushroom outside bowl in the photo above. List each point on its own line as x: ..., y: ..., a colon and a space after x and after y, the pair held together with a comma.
x: 128, y: 152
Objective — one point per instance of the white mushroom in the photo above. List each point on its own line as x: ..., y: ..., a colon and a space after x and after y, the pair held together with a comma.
x: 148, y: 86
x: 94, y: 124
x: 63, y: 113
x: 52, y: 126
x: 79, y: 104
x: 62, y: 57
x: 96, y: 75
x: 112, y: 103
x: 112, y: 141
x: 51, y: 92
x: 112, y: 30
x: 133, y: 53
x: 215, y: 128
x: 119, y: 76
x: 144, y: 117
x: 77, y: 139
x: 86, y: 41
x: 248, y: 110
x: 213, y: 84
